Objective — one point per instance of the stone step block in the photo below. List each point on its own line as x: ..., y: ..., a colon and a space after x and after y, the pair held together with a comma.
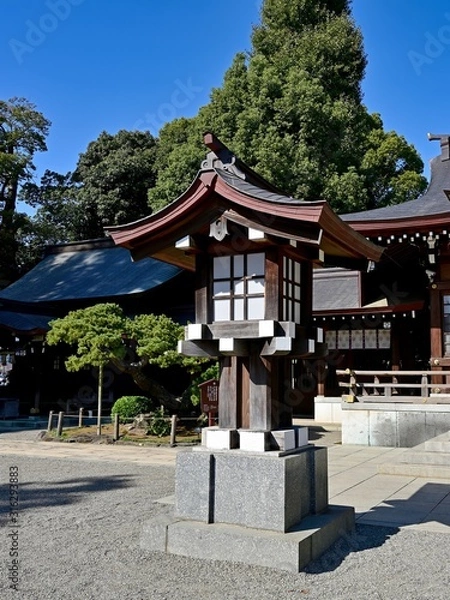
x: 290, y: 551
x: 440, y: 443
x: 426, y: 458
x: 430, y: 471
x: 437, y: 446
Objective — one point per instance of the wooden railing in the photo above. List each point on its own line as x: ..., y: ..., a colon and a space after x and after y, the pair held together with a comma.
x: 395, y: 386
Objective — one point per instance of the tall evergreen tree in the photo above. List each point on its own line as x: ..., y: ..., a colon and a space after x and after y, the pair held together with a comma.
x: 114, y: 174
x: 292, y: 109
x: 23, y: 131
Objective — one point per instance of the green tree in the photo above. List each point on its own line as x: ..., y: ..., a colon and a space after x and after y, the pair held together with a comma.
x: 23, y: 131
x: 58, y: 216
x: 292, y: 109
x: 114, y: 175
x: 179, y: 153
x: 108, y: 186
x: 95, y: 331
x: 102, y: 333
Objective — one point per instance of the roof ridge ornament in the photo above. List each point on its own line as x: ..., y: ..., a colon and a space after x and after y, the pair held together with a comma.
x: 444, y: 139
x: 220, y: 156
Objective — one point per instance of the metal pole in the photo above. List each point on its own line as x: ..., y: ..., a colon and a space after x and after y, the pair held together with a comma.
x: 50, y: 421
x: 80, y: 417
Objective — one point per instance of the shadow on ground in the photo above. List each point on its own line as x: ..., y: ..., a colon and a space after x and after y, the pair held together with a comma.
x: 364, y: 537
x: 34, y: 495
x: 429, y: 504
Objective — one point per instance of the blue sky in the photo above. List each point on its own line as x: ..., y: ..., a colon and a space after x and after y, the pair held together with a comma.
x: 95, y: 65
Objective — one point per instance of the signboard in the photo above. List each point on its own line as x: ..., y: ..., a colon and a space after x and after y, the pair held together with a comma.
x: 209, y: 398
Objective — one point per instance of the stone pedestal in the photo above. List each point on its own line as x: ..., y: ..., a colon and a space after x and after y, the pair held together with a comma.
x: 269, y: 509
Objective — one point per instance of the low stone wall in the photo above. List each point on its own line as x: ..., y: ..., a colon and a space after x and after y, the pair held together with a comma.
x: 393, y: 424
x: 328, y: 409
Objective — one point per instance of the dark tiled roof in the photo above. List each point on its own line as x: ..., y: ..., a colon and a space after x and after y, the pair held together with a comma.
x: 255, y: 191
x: 335, y: 289
x: 433, y: 202
x: 75, y: 272
x: 21, y: 322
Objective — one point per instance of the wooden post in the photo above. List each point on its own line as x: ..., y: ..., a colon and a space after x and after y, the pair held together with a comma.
x: 60, y: 424
x: 173, y: 430
x: 80, y: 417
x: 260, y: 395
x: 116, y: 427
x: 228, y: 410
x: 50, y: 421
x: 99, y: 400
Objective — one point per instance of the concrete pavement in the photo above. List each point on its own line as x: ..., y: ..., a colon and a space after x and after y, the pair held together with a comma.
x: 390, y: 500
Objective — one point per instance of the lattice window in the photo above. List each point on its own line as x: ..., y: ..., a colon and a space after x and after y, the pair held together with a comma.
x: 238, y: 287
x: 291, y: 290
x: 446, y: 325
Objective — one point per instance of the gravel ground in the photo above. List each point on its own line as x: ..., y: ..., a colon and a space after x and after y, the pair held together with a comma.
x: 80, y: 539
x: 24, y: 434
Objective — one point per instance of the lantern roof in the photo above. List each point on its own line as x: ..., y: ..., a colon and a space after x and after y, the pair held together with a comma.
x: 227, y: 190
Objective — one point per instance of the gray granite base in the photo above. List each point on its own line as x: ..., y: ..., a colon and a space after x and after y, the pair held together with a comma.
x: 269, y: 509
x: 289, y: 551
x: 272, y: 491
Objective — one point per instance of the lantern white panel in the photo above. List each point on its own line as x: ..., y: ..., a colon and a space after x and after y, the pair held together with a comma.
x: 239, y: 309
x: 222, y: 310
x: 297, y: 312
x: 222, y: 267
x: 221, y: 288
x: 255, y: 286
x: 255, y: 308
x: 239, y: 266
x: 239, y: 287
x: 255, y: 264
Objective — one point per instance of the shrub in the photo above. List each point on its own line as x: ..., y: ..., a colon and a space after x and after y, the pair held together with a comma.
x: 159, y: 423
x: 128, y: 407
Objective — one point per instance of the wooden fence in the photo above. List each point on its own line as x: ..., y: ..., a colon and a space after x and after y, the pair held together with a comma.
x: 395, y: 386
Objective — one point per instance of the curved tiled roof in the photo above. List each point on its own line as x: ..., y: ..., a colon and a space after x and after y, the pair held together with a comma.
x: 88, y: 271
x: 248, y: 188
x: 433, y: 202
x: 24, y: 322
